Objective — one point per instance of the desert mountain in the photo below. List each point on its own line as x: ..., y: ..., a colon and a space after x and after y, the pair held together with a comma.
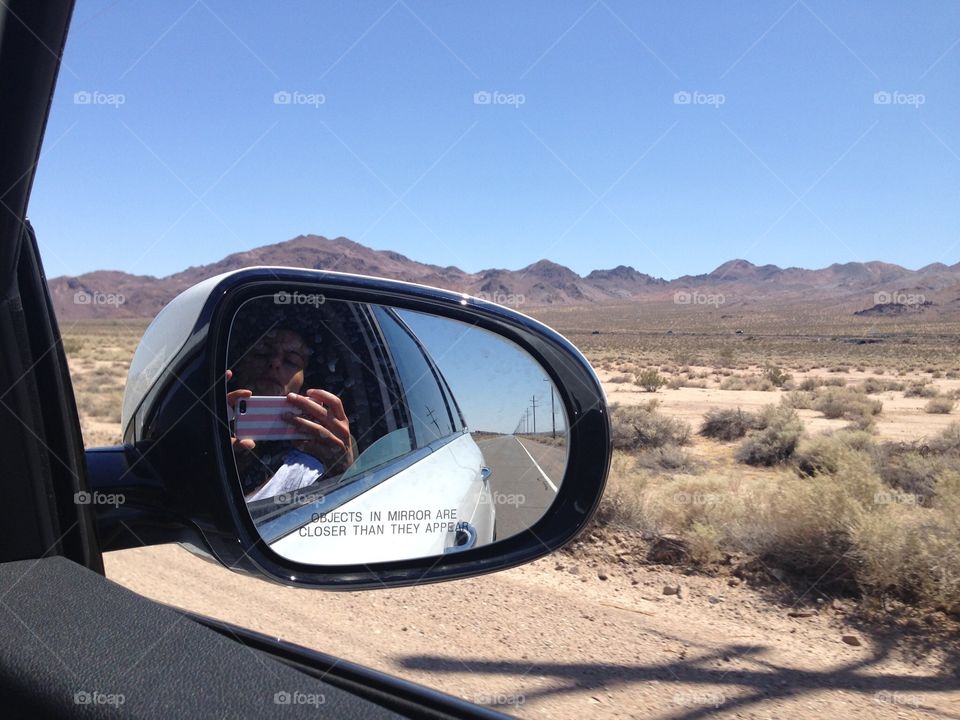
x: 850, y: 286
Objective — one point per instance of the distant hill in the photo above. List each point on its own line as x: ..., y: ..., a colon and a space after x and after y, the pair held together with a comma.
x: 850, y: 287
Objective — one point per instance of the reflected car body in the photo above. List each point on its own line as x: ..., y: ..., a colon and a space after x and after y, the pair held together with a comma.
x: 420, y: 489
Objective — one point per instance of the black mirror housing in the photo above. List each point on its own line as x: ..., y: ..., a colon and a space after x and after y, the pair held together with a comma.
x: 175, y: 471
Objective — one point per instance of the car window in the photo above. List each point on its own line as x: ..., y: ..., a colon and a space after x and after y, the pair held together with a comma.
x: 429, y: 411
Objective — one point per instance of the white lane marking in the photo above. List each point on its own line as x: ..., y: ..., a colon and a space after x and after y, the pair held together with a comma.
x: 545, y: 476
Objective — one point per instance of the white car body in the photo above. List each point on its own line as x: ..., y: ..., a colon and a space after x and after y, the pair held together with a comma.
x: 415, y: 512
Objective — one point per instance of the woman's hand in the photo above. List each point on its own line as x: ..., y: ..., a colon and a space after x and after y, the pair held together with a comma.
x: 322, y: 418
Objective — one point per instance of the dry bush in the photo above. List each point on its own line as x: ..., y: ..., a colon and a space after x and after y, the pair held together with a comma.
x: 623, y: 378
x: 873, y: 385
x: 639, y: 427
x: 776, y: 441
x: 847, y: 403
x: 799, y: 399
x: 747, y: 382
x: 942, y: 405
x: 776, y: 375
x: 728, y: 424
x: 670, y: 458
x: 825, y: 453
x: 921, y: 388
x: 650, y: 380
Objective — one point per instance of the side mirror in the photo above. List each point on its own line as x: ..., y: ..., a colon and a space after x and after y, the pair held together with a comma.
x: 332, y: 430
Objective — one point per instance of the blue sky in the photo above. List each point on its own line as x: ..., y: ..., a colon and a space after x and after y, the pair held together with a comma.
x: 668, y: 136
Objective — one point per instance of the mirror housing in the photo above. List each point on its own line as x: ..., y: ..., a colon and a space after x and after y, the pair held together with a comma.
x: 173, y: 479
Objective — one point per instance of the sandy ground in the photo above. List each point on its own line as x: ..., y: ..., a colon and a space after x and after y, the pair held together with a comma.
x: 589, y: 633
x: 569, y: 637
x: 902, y: 418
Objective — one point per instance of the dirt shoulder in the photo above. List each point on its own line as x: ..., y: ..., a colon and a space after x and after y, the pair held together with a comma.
x: 583, y: 633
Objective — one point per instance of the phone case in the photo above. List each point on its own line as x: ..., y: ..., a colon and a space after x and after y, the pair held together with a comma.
x: 261, y: 418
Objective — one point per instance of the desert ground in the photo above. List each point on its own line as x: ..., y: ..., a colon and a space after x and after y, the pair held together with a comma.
x: 760, y: 570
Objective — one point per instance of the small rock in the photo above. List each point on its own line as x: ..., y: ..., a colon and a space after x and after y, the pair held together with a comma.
x: 801, y: 613
x: 671, y: 589
x: 601, y: 576
x: 733, y: 582
x: 713, y: 599
x: 852, y: 640
x: 574, y: 569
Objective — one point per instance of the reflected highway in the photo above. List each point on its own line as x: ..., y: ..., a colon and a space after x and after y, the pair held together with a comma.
x: 524, y: 480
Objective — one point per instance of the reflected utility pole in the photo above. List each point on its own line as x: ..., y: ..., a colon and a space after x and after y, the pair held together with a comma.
x: 553, y: 415
x: 533, y: 404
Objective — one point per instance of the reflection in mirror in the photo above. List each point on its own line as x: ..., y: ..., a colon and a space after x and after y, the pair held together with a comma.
x: 364, y: 433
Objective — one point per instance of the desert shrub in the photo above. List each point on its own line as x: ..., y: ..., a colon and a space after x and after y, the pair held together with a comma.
x: 777, y: 440
x: 650, y: 380
x: 72, y: 345
x: 942, y: 405
x: 622, y: 378
x: 873, y: 385
x: 728, y: 424
x: 671, y: 458
x: 746, y: 382
x: 776, y: 375
x: 921, y: 388
x: 845, y: 403
x: 638, y: 427
x: 809, y: 384
x: 948, y: 442
x: 835, y: 381
x: 911, y: 553
x: 826, y: 453
x: 798, y: 399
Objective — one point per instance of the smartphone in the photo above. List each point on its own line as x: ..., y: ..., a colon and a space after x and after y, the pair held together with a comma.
x: 261, y: 418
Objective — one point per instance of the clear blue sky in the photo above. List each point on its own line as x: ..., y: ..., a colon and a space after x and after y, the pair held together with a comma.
x: 782, y: 155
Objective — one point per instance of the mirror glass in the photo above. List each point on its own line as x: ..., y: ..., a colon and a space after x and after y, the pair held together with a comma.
x: 364, y: 433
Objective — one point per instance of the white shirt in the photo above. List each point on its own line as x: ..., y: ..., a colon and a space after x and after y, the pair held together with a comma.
x: 298, y: 470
